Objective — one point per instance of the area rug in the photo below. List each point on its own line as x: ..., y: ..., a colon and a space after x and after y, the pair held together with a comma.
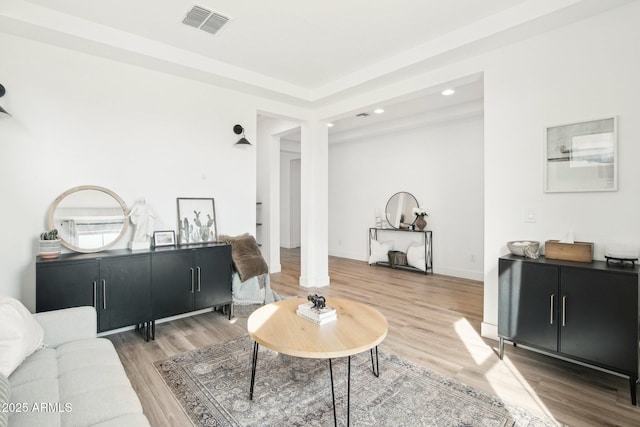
x: 212, y: 386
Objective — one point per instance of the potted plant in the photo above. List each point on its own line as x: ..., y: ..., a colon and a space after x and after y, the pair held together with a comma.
x: 49, y: 246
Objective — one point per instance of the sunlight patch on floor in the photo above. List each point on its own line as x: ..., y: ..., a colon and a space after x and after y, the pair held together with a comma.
x: 502, y: 376
x: 476, y: 347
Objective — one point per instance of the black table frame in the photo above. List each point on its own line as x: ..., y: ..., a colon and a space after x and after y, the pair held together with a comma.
x: 375, y: 368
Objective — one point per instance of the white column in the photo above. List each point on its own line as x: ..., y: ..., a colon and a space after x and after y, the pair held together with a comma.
x: 314, y: 263
x: 273, y: 219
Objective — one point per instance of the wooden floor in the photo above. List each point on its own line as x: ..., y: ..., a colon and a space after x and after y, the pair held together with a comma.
x: 433, y: 320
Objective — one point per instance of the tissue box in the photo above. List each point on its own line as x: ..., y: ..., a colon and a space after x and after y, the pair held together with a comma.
x: 577, y: 251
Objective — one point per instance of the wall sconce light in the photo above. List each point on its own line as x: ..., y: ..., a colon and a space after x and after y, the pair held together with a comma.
x: 2, y: 92
x: 237, y: 129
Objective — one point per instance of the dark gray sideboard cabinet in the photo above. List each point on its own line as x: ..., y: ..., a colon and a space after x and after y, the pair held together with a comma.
x: 190, y: 279
x: 125, y: 290
x: 130, y: 288
x: 117, y: 284
x: 586, y: 312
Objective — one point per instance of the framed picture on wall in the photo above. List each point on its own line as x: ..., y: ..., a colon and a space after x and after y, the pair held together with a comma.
x: 581, y: 157
x: 196, y: 221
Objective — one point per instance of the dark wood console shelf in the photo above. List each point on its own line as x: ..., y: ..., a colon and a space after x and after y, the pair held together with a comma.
x: 137, y: 287
x: 584, y: 312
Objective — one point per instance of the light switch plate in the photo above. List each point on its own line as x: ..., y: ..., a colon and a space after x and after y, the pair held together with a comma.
x: 530, y: 215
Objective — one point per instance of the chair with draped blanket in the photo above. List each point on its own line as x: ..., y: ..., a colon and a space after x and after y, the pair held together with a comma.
x: 250, y: 285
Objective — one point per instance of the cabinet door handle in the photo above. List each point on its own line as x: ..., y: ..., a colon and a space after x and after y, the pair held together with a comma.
x: 198, y: 270
x: 104, y: 294
x: 564, y: 310
x: 192, y: 280
x: 553, y: 297
x: 95, y: 294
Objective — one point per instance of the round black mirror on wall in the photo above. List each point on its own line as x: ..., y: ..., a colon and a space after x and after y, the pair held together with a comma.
x: 89, y: 218
x: 399, y: 210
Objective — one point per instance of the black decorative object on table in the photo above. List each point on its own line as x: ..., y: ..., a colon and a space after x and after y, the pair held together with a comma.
x: 319, y: 302
x: 620, y: 261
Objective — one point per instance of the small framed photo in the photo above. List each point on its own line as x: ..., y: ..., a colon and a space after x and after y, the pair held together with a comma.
x: 164, y: 238
x: 196, y: 221
x: 581, y: 157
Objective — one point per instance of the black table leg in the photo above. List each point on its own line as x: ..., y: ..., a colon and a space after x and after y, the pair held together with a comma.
x: 254, y: 361
x: 632, y: 384
x: 375, y: 367
x: 348, y: 389
x: 333, y: 393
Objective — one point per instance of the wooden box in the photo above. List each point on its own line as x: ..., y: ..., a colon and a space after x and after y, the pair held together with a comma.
x: 577, y: 251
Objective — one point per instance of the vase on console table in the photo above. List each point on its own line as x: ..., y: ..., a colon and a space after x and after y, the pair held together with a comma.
x: 421, y: 223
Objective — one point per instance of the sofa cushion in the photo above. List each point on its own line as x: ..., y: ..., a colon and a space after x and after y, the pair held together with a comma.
x: 41, y: 364
x: 67, y: 324
x: 81, y: 383
x: 30, y: 396
x: 20, y: 334
x: 129, y: 420
x: 5, y: 389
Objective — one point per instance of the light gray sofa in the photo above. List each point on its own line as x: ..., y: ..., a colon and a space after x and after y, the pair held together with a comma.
x: 75, y: 380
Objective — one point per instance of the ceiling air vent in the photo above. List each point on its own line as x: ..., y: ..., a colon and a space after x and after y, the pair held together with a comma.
x: 196, y: 16
x: 362, y: 115
x: 214, y: 23
x: 204, y: 19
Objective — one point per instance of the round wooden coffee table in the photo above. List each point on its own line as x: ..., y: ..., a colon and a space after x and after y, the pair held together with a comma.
x: 358, y: 328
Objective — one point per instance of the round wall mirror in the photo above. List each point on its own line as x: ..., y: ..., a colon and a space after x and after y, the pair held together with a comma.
x: 399, y: 210
x: 89, y: 218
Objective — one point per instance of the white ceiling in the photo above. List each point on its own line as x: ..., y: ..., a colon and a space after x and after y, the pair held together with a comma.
x: 299, y: 51
x: 308, y: 44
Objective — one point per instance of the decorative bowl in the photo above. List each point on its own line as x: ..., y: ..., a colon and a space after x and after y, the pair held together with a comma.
x: 518, y: 247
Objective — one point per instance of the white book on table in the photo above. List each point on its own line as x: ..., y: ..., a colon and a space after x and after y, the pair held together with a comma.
x: 317, y: 313
x: 321, y: 321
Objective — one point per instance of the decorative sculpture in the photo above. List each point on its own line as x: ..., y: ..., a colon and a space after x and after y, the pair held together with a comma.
x: 319, y: 302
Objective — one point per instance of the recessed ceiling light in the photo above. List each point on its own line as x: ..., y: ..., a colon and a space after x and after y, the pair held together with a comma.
x: 378, y: 111
x: 330, y: 125
x: 448, y: 92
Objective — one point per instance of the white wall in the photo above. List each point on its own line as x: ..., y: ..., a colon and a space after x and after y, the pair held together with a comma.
x: 585, y: 71
x: 295, y: 207
x: 286, y: 238
x: 79, y: 119
x: 441, y: 165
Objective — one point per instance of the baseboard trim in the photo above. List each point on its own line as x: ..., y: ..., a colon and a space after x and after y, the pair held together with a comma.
x: 314, y: 282
x: 275, y: 268
x: 463, y: 274
x: 488, y: 330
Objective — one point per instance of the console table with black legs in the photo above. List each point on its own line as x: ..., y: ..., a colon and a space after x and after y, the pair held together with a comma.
x: 426, y: 237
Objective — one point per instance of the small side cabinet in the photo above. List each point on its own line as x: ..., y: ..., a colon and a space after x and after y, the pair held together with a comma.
x: 586, y: 312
